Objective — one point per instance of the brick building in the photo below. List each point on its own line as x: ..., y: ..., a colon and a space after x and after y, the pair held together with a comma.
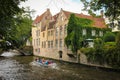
x: 49, y: 32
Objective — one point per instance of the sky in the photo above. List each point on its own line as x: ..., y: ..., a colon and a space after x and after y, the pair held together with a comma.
x: 40, y: 6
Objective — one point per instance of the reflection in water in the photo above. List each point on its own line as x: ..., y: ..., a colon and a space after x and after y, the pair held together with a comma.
x: 18, y: 68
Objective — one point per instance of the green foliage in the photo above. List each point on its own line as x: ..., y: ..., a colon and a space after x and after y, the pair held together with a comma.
x: 89, y: 52
x: 98, y: 44
x: 118, y: 40
x: 8, y: 10
x: 109, y: 37
x: 75, y: 28
x: 84, y: 21
x: 72, y: 39
x: 109, y: 44
x: 22, y: 32
x: 108, y: 54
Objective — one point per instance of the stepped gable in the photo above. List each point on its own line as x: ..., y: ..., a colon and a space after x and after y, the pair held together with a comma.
x: 38, y: 18
x: 56, y: 16
x: 98, y: 22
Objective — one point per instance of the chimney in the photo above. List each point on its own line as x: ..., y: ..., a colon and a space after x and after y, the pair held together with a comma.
x: 61, y: 9
x: 48, y: 9
x: 102, y: 14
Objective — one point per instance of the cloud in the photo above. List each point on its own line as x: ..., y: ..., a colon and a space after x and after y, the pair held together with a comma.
x: 40, y: 6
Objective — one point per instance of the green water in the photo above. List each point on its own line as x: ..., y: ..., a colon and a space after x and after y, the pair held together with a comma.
x: 18, y: 68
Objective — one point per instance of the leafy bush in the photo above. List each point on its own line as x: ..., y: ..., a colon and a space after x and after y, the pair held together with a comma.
x: 89, y: 52
x: 109, y: 44
x: 109, y: 37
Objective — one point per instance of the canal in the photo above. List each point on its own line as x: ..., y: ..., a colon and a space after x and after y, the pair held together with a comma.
x: 19, y: 68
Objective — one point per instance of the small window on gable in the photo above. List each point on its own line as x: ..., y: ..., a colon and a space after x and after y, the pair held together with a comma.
x: 43, y: 34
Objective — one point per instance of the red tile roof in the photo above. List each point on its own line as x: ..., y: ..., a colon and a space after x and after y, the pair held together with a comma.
x: 98, y: 22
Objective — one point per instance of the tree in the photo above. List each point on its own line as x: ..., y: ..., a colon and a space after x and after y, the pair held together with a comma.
x: 110, y: 7
x: 8, y: 10
x: 117, y: 49
x: 73, y: 37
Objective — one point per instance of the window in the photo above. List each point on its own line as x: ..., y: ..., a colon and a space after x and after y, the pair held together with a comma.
x: 65, y: 29
x: 39, y: 41
x: 84, y: 32
x: 44, y: 44
x: 48, y: 44
x: 38, y: 50
x: 57, y: 31
x: 60, y: 30
x: 51, y: 32
x: 100, y: 33
x: 48, y: 33
x: 93, y: 32
x: 60, y: 43
x: 56, y: 43
x: 36, y: 32
x: 43, y: 34
x: 51, y: 44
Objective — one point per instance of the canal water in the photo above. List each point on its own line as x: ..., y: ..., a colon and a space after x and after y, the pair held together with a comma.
x: 19, y: 68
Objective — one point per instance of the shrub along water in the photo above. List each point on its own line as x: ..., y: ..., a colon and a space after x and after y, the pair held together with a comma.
x: 108, y: 53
